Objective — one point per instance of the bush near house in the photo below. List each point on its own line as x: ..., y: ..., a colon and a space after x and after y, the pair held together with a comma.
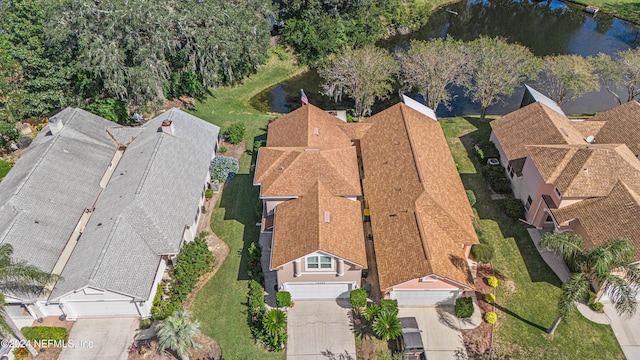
x: 235, y: 133
x: 208, y: 193
x: 223, y: 168
x: 283, y: 298
x: 274, y: 324
x: 464, y: 307
x: 491, y: 317
x: 358, y: 298
x: 497, y: 179
x: 490, y: 298
x: 492, y: 281
x: 485, y: 150
x: 513, y: 208
x: 389, y: 305
x: 483, y: 252
x: 597, y: 306
x: 194, y: 260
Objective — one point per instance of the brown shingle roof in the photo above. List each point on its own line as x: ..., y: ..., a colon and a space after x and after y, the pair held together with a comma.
x: 622, y: 126
x: 308, y: 127
x: 588, y: 127
x: 586, y: 170
x: 355, y: 130
x: 300, y: 228
x: 291, y: 171
x: 420, y: 215
x: 533, y: 124
x: 606, y: 218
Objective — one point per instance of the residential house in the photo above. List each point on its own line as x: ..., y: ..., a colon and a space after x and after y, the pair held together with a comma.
x: 421, y: 222
x: 107, y: 207
x: 580, y: 175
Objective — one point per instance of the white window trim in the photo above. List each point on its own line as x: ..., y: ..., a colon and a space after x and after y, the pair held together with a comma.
x: 319, y: 269
x: 527, y: 204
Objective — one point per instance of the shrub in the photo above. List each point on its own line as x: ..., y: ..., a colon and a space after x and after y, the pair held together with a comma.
x: 283, y: 298
x: 513, y: 208
x: 471, y: 196
x: 497, y: 178
x: 491, y: 317
x: 372, y: 312
x: 389, y: 305
x: 222, y: 149
x: 256, y: 299
x: 45, y: 333
x: 274, y: 324
x: 492, y: 281
x: 483, y: 252
x: 597, y: 306
x: 257, y: 145
x: 145, y: 324
x: 464, y: 307
x: 223, y: 168
x: 21, y: 353
x: 358, y: 298
x: 235, y: 133
x: 479, y: 153
x: 490, y: 298
x: 110, y: 109
x: 387, y: 326
x: 258, y: 209
x: 208, y: 193
x: 501, y: 186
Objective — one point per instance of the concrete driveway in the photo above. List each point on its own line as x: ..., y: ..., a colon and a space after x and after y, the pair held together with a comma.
x: 627, y: 331
x: 440, y: 329
x: 319, y: 330
x: 106, y: 339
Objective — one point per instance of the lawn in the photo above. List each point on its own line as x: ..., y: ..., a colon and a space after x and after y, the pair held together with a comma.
x: 5, y: 166
x: 624, y: 9
x: 221, y: 304
x: 528, y: 294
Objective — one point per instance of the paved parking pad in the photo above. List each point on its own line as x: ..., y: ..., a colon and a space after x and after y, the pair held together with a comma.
x: 440, y: 331
x: 319, y: 329
x: 105, y: 339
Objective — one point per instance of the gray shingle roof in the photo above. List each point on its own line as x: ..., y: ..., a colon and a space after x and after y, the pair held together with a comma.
x: 139, y: 216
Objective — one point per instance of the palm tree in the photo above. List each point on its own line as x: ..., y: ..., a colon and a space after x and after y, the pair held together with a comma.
x: 274, y: 324
x: 178, y: 332
x: 387, y: 326
x: 606, y: 265
x: 18, y: 277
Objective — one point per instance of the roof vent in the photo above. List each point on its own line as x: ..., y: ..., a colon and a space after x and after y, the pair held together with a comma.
x: 167, y: 127
x: 586, y: 170
x: 316, y: 131
x: 564, y: 132
x: 327, y: 217
x: 55, y: 125
x: 590, y: 139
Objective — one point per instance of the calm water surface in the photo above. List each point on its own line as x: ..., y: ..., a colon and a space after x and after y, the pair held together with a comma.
x: 548, y: 27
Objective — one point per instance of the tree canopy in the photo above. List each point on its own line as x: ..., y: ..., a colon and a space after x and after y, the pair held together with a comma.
x: 431, y: 67
x: 362, y: 74
x: 132, y: 51
x: 620, y: 71
x: 495, y: 68
x: 566, y: 77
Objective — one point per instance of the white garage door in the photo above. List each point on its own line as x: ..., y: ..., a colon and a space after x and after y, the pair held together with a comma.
x: 100, y: 309
x: 425, y: 297
x: 318, y: 291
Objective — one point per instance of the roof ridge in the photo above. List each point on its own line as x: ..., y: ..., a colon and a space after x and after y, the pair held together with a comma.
x: 416, y: 162
x: 280, y: 159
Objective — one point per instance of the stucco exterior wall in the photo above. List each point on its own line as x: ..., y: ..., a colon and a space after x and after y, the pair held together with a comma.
x: 433, y: 283
x: 351, y: 274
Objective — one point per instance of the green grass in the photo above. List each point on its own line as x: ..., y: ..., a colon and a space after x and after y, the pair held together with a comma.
x: 5, y: 166
x: 527, y: 296
x: 624, y: 9
x: 221, y: 304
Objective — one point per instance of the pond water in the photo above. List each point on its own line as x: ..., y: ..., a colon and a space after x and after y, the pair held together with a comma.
x: 548, y: 27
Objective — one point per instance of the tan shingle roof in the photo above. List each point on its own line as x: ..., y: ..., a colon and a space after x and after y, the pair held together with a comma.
x: 606, y: 218
x: 309, y: 127
x: 420, y: 214
x: 586, y: 170
x: 300, y: 228
x: 588, y: 127
x: 622, y: 126
x: 291, y: 171
x: 355, y: 130
x: 533, y: 124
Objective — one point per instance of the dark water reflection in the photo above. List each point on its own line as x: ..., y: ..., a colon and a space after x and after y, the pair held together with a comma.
x: 548, y: 27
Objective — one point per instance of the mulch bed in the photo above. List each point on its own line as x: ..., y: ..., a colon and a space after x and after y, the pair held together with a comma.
x: 478, y: 341
x: 148, y: 350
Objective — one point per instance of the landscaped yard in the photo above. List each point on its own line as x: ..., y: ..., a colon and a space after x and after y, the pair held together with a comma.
x: 221, y: 304
x: 527, y: 296
x: 625, y: 9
